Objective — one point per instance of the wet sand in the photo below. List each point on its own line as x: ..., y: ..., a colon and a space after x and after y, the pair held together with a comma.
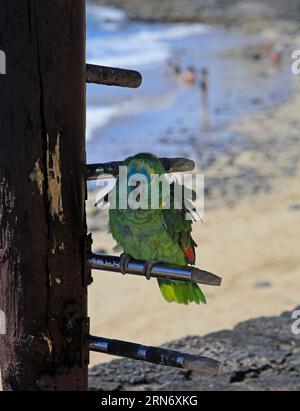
x: 250, y: 236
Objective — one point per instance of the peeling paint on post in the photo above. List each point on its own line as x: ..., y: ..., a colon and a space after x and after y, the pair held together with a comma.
x: 54, y: 180
x: 37, y: 176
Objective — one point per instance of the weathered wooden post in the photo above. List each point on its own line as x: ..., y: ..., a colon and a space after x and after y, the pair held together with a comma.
x: 43, y: 293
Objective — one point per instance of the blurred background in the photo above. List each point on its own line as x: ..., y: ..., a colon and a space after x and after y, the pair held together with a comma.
x: 217, y: 88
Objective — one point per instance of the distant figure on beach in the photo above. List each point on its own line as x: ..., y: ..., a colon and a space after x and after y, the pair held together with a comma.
x: 204, y: 99
x: 188, y: 76
x: 276, y: 54
x: 174, y: 66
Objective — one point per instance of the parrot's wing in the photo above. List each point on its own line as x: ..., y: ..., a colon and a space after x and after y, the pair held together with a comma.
x: 179, y: 227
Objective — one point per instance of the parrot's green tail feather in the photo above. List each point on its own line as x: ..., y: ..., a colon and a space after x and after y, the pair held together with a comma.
x: 181, y: 292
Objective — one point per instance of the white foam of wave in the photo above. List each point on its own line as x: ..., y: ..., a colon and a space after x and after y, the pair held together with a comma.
x: 100, y: 116
x: 106, y: 14
x: 147, y: 46
x: 97, y: 117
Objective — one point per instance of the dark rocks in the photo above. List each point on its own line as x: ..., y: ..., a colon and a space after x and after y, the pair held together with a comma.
x: 259, y: 354
x: 294, y: 207
x: 262, y: 284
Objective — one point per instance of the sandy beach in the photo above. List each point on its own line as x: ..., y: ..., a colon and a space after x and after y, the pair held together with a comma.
x: 250, y: 237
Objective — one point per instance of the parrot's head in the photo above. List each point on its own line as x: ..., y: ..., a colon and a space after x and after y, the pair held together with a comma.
x: 144, y: 188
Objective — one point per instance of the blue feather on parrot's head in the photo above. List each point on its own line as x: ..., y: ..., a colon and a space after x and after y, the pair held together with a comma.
x: 144, y: 163
x: 141, y: 169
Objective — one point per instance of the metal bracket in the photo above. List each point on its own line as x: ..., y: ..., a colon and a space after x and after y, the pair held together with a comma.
x: 87, y: 273
x: 85, y: 353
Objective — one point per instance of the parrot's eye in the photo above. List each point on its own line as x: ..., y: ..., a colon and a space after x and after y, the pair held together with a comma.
x: 137, y: 183
x: 133, y: 182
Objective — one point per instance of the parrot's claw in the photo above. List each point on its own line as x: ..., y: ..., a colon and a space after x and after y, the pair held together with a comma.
x: 124, y: 261
x: 148, y: 268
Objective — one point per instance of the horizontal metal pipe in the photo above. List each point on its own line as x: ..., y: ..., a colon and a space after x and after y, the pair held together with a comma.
x: 163, y: 271
x: 111, y: 76
x: 155, y: 355
x: 171, y: 165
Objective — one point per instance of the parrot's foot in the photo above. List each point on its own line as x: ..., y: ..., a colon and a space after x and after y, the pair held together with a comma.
x: 148, y: 268
x: 124, y: 261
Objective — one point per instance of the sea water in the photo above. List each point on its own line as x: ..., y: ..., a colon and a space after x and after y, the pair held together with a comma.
x: 163, y: 116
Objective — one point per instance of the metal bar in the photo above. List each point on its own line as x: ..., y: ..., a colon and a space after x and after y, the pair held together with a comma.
x: 171, y: 165
x: 163, y: 271
x: 155, y: 355
x: 111, y: 76
x: 177, y: 164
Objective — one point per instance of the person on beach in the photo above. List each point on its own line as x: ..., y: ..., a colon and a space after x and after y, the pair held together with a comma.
x: 174, y: 66
x: 188, y: 76
x: 204, y: 99
x: 276, y: 55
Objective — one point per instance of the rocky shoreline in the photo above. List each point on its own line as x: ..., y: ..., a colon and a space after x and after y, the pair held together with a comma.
x: 259, y: 354
x: 228, y: 12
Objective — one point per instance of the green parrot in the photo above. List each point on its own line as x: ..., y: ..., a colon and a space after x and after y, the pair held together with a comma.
x: 159, y: 234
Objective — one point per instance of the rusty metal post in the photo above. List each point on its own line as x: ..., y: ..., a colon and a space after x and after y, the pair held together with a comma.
x: 43, y: 294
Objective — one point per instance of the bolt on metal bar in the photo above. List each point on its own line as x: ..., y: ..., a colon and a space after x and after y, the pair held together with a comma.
x: 111, y: 76
x: 163, y: 271
x: 171, y: 165
x: 155, y: 355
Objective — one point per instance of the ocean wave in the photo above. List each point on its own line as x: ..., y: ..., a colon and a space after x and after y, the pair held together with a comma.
x: 99, y: 116
x: 142, y: 46
x: 106, y: 14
